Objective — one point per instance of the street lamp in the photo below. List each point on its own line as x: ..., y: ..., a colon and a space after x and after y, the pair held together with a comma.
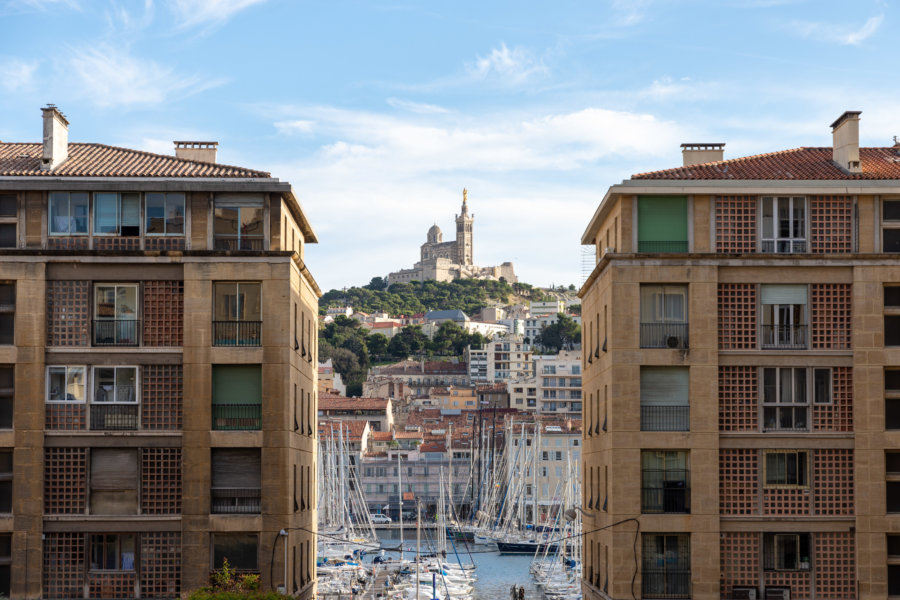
x: 283, y: 533
x: 571, y: 514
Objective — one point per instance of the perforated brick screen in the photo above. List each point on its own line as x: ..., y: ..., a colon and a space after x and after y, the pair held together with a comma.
x: 738, y: 397
x: 838, y: 415
x: 737, y: 316
x: 160, y: 565
x: 786, y: 501
x: 163, y: 313
x: 68, y: 313
x: 164, y: 243
x: 831, y: 316
x: 739, y: 553
x: 831, y: 224
x: 65, y: 480
x: 163, y: 396
x: 64, y: 564
x: 738, y: 481
x: 798, y: 581
x: 835, y: 553
x: 160, y: 481
x: 114, y: 584
x: 736, y: 224
x: 117, y: 243
x: 67, y: 243
x: 833, y: 476
x: 65, y: 416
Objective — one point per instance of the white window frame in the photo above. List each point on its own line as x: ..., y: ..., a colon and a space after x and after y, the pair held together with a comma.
x: 85, y: 383
x: 796, y: 245
x: 119, y: 199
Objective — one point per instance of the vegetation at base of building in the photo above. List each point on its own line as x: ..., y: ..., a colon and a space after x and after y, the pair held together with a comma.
x: 228, y: 584
x: 352, y: 349
x: 467, y: 295
x: 560, y: 335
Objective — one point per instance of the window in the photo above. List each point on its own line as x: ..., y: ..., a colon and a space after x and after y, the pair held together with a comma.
x: 7, y: 396
x: 236, y: 482
x: 785, y: 399
x: 112, y: 552
x: 237, y: 397
x: 7, y: 313
x: 890, y: 221
x: 114, y: 384
x: 114, y: 481
x: 665, y: 565
x: 786, y: 551
x: 6, y: 480
x: 5, y: 564
x: 239, y: 548
x: 783, y: 224
x: 893, y: 554
x: 664, y: 322
x: 664, y: 399
x: 892, y: 315
x: 117, y: 213
x: 892, y: 399
x: 664, y: 481
x: 8, y: 219
x: 238, y: 222
x: 783, y: 317
x: 662, y: 224
x: 115, y: 315
x: 164, y: 213
x: 65, y: 384
x: 237, y: 316
x: 69, y: 213
x: 787, y: 468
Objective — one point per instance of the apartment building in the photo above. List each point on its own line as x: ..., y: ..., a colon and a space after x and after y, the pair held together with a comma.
x: 558, y: 382
x: 501, y: 359
x: 158, y: 360
x: 741, y: 358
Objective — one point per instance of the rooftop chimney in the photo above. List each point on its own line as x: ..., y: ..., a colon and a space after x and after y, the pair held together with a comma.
x: 201, y: 151
x: 845, y: 132
x: 698, y: 154
x: 56, y: 138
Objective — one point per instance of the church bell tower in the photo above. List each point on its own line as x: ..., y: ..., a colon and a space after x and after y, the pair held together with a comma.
x: 464, y: 233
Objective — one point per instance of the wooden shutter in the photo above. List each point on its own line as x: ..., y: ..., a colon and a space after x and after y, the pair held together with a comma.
x: 236, y: 468
x: 114, y: 481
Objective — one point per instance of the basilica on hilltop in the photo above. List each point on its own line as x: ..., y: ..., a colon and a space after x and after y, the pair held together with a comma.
x: 446, y: 261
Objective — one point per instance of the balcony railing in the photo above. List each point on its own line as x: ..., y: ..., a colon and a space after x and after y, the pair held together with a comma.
x: 237, y: 333
x: 659, y: 246
x: 666, y: 418
x: 234, y: 500
x: 236, y: 417
x: 665, y: 583
x: 784, y: 246
x: 235, y: 243
x: 664, y: 335
x: 783, y: 337
x: 670, y: 495
x: 116, y: 332
x: 115, y: 417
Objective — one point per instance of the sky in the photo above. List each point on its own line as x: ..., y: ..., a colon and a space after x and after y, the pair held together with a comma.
x: 380, y: 113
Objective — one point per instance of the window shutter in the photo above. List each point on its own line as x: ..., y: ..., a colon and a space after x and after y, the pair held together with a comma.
x: 664, y: 386
x: 662, y: 219
x: 236, y: 468
x: 783, y: 294
x: 237, y: 384
x: 114, y: 469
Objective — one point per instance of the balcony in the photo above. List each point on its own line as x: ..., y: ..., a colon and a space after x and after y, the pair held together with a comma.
x: 242, y: 501
x: 665, y: 418
x: 663, y: 247
x: 666, y: 583
x: 235, y: 243
x: 784, y: 246
x: 115, y: 417
x: 237, y: 417
x: 783, y: 337
x: 116, y: 332
x: 664, y: 335
x: 237, y: 333
x: 669, y: 495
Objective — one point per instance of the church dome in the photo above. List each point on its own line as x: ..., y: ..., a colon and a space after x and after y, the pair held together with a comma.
x: 434, y: 235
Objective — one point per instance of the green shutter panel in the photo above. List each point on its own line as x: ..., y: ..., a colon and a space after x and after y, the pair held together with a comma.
x: 662, y: 224
x: 237, y: 384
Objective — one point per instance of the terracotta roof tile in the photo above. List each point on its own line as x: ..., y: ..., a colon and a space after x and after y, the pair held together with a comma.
x: 328, y: 402
x: 100, y: 160
x: 796, y: 164
x: 382, y: 436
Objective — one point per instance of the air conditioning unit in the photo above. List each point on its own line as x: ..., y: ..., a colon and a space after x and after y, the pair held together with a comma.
x: 778, y: 593
x: 743, y: 593
x: 674, y: 341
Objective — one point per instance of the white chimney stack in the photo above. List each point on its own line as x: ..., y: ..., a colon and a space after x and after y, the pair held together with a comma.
x: 845, y: 133
x: 56, y: 138
x: 698, y: 154
x: 200, y: 151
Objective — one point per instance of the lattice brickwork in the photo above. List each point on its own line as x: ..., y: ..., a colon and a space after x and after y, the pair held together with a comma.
x: 67, y: 416
x: 117, y: 243
x: 831, y: 224
x: 163, y: 396
x: 164, y: 243
x: 798, y: 581
x: 833, y: 476
x: 737, y: 316
x: 831, y: 316
x: 160, y: 565
x: 837, y: 416
x: 736, y: 224
x: 835, y: 556
x: 161, y: 481
x: 738, y: 397
x: 740, y: 561
x: 67, y: 243
x: 65, y: 480
x: 786, y: 501
x: 68, y: 313
x: 738, y: 481
x: 64, y: 562
x: 112, y: 584
x: 163, y: 313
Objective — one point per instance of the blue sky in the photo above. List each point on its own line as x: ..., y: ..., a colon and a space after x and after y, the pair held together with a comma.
x: 379, y: 113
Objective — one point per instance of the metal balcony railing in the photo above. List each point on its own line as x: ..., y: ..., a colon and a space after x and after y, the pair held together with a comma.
x: 237, y: 333
x: 784, y: 246
x: 783, y: 337
x: 115, y: 417
x: 235, y: 500
x: 671, y: 334
x: 660, y: 246
x: 116, y: 332
x: 666, y: 418
x: 235, y: 243
x: 665, y: 583
x: 670, y: 495
x: 236, y: 417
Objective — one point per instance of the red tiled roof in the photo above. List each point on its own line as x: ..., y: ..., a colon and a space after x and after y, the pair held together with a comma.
x: 100, y: 160
x: 440, y: 366
x: 381, y: 436
x: 328, y: 402
x: 433, y: 447
x: 796, y: 164
x: 355, y: 429
x: 408, y: 435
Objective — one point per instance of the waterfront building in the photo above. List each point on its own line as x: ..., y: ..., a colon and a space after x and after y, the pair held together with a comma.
x: 741, y: 358
x: 158, y: 360
x: 557, y: 378
x: 376, y: 411
x: 503, y: 358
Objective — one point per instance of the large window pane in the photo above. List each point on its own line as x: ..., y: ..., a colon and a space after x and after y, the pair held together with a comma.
x: 106, y: 212
x: 66, y: 384
x: 890, y: 240
x: 239, y: 548
x: 164, y: 213
x: 892, y: 330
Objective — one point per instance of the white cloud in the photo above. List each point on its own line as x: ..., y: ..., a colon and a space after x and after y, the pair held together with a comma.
x: 42, y: 5
x: 837, y: 34
x: 416, y: 107
x: 17, y: 74
x: 293, y: 127
x: 110, y: 76
x: 630, y: 12
x: 208, y: 12
x: 508, y: 66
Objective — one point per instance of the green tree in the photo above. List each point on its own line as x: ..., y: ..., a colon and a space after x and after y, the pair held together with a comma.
x: 560, y: 335
x: 377, y: 344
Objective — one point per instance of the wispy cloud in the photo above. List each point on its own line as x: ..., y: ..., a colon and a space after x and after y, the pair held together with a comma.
x: 22, y: 5
x: 416, y: 107
x: 208, y: 12
x: 110, y: 76
x: 126, y: 18
x: 299, y: 126
x: 837, y: 34
x: 17, y: 74
x: 507, y: 66
x: 630, y: 12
